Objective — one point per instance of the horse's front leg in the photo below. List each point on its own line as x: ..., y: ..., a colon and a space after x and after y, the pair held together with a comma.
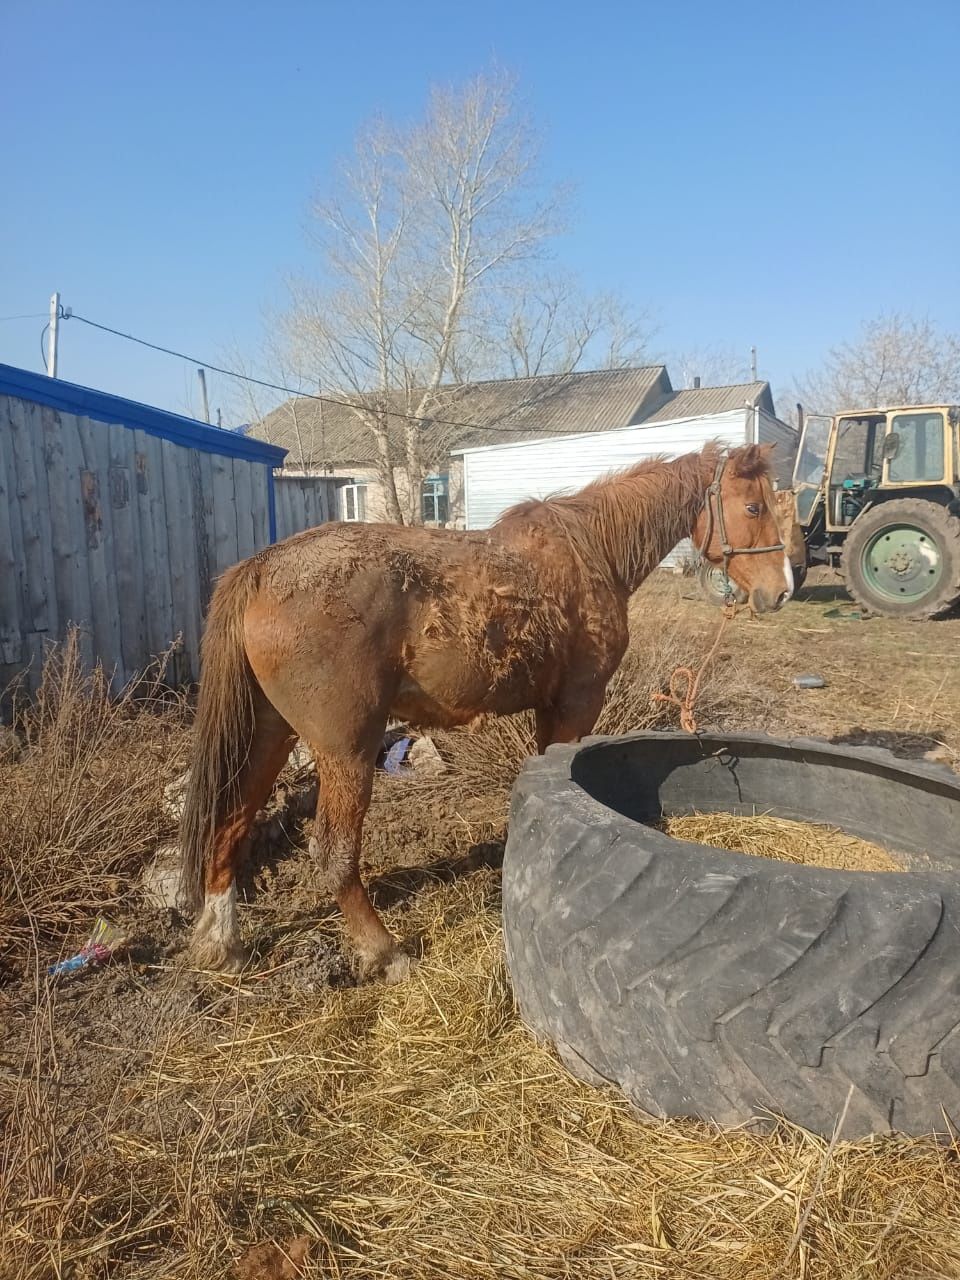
x: 572, y: 715
x: 346, y: 783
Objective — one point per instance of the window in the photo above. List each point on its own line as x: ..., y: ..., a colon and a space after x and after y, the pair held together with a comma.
x: 435, y: 504
x: 857, y: 451
x: 812, y: 457
x: 353, y: 502
x: 920, y: 453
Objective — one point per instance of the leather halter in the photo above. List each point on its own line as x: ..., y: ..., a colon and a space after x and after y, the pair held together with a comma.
x: 727, y: 551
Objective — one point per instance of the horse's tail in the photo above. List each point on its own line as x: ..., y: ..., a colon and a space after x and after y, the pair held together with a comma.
x: 224, y: 727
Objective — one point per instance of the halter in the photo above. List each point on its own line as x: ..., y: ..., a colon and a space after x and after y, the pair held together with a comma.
x: 727, y: 551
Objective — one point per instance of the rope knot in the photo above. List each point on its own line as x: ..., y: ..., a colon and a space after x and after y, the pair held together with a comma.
x: 686, y: 698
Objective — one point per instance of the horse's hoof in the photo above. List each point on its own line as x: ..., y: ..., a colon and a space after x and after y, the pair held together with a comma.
x: 398, y: 969
x: 393, y: 967
x: 216, y: 956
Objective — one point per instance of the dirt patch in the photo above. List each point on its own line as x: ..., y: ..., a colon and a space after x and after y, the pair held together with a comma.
x: 764, y: 836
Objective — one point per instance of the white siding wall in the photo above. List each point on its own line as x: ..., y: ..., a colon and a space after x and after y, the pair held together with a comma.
x: 497, y: 477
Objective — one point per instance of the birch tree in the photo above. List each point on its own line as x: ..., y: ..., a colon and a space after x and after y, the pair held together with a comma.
x: 432, y: 250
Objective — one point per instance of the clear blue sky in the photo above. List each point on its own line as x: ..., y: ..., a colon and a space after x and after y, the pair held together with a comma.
x: 751, y: 172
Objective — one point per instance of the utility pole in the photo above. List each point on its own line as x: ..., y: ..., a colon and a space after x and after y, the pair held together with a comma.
x: 54, y: 335
x: 753, y: 364
x: 201, y: 374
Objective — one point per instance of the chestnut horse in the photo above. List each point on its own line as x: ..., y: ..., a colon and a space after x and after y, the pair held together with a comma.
x: 327, y: 635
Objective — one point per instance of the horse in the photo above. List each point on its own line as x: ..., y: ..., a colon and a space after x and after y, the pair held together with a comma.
x: 329, y: 634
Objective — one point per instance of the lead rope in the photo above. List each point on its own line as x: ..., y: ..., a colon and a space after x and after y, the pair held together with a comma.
x: 686, y: 701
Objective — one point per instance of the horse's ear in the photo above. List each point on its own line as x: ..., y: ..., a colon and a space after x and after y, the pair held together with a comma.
x: 751, y: 461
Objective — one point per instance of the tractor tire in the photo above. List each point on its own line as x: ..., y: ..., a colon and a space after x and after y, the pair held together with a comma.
x: 731, y: 988
x: 713, y: 581
x: 924, y: 542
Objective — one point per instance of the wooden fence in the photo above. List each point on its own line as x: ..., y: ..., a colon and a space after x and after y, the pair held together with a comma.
x: 303, y: 502
x: 117, y: 517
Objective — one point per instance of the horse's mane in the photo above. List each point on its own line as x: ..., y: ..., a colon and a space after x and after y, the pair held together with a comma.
x: 624, y: 518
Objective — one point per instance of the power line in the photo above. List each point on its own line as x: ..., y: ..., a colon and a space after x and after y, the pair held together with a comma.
x: 277, y: 386
x: 31, y: 315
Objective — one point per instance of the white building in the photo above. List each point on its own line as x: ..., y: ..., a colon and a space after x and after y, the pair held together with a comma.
x: 335, y: 439
x: 496, y: 477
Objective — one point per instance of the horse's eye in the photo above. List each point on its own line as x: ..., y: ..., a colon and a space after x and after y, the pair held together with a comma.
x: 753, y: 509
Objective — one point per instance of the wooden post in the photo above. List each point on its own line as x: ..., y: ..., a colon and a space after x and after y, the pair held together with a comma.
x: 202, y: 375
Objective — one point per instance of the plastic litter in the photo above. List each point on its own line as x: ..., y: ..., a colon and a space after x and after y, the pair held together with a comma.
x: 393, y: 761
x: 809, y: 682
x: 105, y: 939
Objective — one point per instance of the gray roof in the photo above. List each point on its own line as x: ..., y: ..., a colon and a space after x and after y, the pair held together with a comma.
x: 468, y: 414
x: 464, y: 416
x: 699, y: 401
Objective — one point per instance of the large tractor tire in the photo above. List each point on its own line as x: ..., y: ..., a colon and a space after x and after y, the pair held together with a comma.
x: 727, y: 987
x: 902, y: 559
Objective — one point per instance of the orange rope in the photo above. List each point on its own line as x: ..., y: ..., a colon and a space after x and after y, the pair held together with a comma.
x: 686, y: 701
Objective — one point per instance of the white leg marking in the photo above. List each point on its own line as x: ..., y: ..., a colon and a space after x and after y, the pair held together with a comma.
x: 788, y: 574
x: 218, y: 920
x: 216, y: 937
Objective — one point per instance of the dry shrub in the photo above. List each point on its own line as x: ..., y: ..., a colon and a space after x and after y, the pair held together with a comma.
x: 81, y: 798
x: 418, y: 1131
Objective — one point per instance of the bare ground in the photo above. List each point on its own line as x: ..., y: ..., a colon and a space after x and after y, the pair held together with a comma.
x: 158, y: 1122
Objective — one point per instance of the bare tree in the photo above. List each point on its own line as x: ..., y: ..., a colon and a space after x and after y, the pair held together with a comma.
x: 896, y: 359
x: 715, y: 365
x: 430, y: 251
x: 552, y: 326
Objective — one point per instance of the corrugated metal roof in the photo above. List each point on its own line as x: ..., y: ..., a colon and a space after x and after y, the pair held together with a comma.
x: 318, y: 434
x: 698, y: 401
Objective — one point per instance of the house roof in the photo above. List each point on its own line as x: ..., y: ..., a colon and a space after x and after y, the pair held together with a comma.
x: 699, y: 401
x: 469, y: 415
x: 320, y: 433
x: 104, y: 407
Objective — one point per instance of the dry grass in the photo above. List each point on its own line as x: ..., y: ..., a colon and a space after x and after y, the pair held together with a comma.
x: 80, y: 798
x: 765, y: 836
x: 154, y: 1125
x: 418, y: 1131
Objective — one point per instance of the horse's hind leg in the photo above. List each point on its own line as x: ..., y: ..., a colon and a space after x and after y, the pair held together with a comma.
x: 346, y: 782
x: 216, y: 936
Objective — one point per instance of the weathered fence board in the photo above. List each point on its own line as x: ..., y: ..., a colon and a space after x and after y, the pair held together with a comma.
x: 117, y: 518
x: 11, y: 635
x: 243, y: 500
x: 303, y: 502
x: 103, y: 622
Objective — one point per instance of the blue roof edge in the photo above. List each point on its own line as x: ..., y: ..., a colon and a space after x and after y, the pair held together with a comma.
x: 71, y: 398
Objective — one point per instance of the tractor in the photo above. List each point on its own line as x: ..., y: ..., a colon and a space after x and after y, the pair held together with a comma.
x: 876, y: 494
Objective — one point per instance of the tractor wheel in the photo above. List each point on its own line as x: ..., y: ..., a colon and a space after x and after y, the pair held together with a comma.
x: 902, y: 559
x: 715, y: 585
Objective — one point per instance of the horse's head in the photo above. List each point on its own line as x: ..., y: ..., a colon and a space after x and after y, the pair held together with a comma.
x: 740, y: 527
